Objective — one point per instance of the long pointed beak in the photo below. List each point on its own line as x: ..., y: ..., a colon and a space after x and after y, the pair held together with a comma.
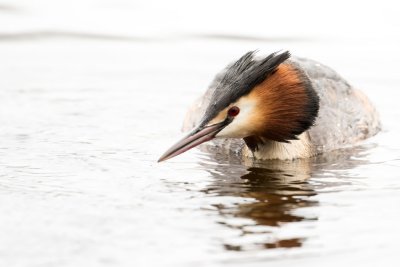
x: 195, y: 138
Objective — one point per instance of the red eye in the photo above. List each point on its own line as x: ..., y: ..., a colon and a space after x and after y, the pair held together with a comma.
x: 233, y: 111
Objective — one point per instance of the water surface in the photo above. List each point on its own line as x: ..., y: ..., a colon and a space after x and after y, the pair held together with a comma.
x: 86, y: 112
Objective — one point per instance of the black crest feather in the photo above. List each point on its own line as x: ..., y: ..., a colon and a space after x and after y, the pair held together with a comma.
x: 240, y: 78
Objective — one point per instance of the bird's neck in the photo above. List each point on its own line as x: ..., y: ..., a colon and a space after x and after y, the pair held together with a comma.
x: 286, y: 105
x: 264, y: 149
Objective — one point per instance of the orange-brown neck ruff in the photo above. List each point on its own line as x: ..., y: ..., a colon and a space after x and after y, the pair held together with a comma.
x: 287, y: 105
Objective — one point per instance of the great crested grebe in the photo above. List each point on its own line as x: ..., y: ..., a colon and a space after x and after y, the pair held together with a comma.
x: 278, y: 107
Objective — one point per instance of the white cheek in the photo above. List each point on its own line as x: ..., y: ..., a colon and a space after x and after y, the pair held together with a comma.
x: 240, y: 126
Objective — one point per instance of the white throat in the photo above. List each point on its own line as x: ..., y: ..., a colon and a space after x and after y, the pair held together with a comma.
x: 301, y: 148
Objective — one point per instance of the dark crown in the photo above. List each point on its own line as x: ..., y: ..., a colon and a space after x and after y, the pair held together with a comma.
x: 239, y: 78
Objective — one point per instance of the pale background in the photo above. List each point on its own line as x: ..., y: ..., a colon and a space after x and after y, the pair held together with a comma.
x: 92, y: 92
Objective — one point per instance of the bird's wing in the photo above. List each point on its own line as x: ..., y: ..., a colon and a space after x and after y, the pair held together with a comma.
x: 346, y: 116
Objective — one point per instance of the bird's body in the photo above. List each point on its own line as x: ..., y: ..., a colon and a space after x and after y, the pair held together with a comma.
x: 299, y: 109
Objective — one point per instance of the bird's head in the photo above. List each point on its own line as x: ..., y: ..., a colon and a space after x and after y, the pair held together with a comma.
x: 270, y: 98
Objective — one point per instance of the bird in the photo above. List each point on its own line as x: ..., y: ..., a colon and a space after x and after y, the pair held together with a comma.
x: 278, y: 107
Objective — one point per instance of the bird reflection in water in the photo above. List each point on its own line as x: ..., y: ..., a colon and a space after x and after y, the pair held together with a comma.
x: 274, y: 192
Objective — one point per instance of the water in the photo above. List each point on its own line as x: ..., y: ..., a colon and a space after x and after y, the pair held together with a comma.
x: 87, y: 105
